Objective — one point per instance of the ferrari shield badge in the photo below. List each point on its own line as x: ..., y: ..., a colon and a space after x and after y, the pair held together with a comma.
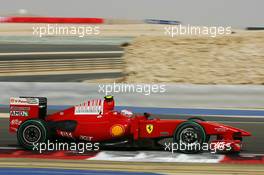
x: 149, y: 128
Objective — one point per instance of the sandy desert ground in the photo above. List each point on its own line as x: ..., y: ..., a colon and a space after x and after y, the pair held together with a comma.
x: 233, y: 59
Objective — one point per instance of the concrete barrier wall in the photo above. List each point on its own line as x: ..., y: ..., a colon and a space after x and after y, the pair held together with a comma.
x: 175, y: 96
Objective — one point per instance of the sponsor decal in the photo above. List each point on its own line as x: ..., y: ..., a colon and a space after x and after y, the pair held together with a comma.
x: 86, y: 138
x: 149, y: 128
x: 12, y: 100
x: 32, y: 100
x: 66, y: 134
x: 18, y: 108
x: 19, y: 113
x: 15, y: 122
x: 220, y: 129
x: 24, y: 101
x: 117, y: 130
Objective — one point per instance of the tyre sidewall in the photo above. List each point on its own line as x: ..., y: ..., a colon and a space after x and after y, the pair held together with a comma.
x: 199, y: 131
x: 36, y: 123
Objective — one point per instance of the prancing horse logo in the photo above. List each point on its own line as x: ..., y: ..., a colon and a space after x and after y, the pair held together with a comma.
x: 149, y: 128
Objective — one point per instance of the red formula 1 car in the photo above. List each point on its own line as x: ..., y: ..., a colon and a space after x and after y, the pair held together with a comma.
x: 97, y: 121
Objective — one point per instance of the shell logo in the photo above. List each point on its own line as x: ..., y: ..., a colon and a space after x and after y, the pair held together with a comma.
x: 117, y: 130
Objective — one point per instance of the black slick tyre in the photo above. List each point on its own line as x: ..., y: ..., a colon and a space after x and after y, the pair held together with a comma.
x: 32, y: 132
x: 189, y: 137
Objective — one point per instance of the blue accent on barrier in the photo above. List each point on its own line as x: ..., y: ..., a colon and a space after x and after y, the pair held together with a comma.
x: 157, y: 21
x: 44, y: 171
x: 176, y: 111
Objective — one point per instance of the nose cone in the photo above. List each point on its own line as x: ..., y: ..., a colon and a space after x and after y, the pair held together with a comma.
x: 236, y: 130
x: 245, y: 133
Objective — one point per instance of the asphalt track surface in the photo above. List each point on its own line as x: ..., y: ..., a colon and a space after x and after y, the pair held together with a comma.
x: 79, y: 58
x: 253, y: 144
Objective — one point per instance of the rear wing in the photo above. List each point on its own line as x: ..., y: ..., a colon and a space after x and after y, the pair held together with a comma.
x: 24, y: 108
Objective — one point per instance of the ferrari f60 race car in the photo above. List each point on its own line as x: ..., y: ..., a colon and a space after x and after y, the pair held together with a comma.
x: 97, y: 121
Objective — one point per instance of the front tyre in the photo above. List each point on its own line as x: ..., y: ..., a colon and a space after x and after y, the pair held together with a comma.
x: 189, y: 137
x: 32, y: 132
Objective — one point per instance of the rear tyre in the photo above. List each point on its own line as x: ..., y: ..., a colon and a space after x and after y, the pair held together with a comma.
x: 189, y: 137
x: 32, y: 132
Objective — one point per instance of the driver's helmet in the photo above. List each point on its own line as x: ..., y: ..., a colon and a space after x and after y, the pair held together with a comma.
x: 108, y: 97
x: 127, y: 113
x: 109, y: 103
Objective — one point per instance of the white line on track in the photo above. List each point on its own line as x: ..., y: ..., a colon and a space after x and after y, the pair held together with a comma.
x: 250, y: 154
x: 226, y: 116
x: 6, y: 147
x: 60, y: 53
x: 224, y: 108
